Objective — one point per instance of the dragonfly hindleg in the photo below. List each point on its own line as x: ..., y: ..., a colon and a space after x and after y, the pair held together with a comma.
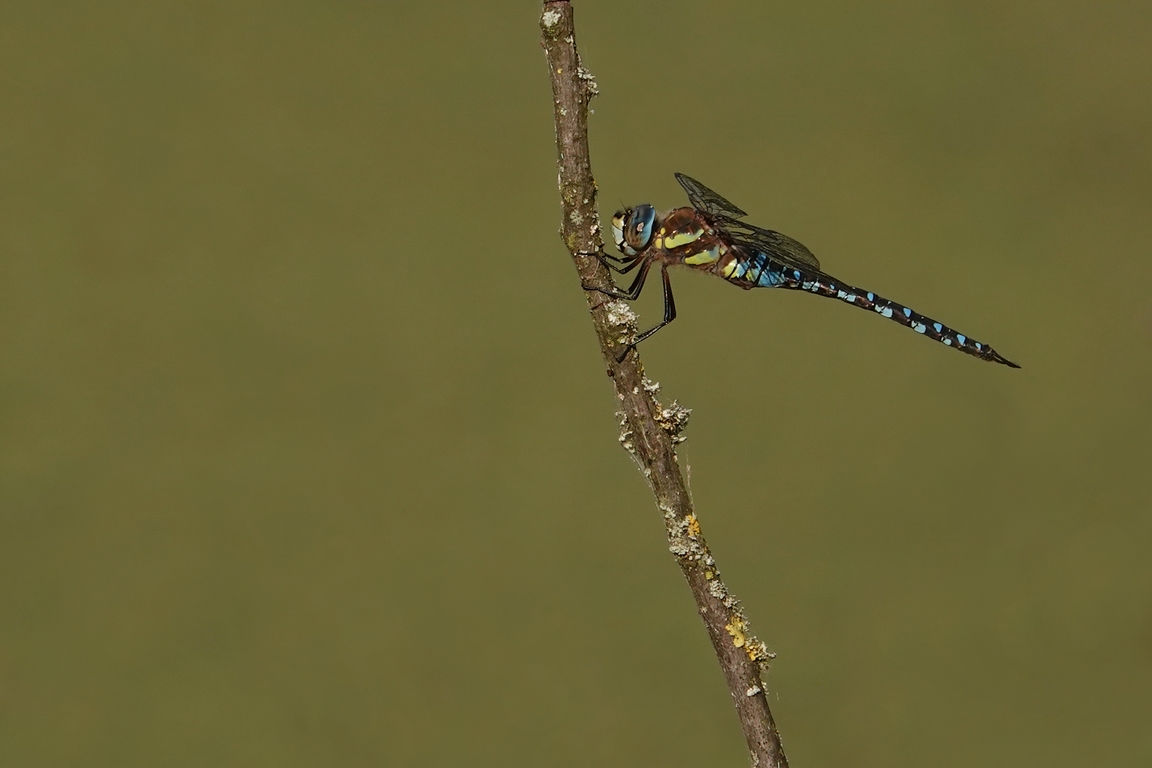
x: 669, y: 307
x: 669, y: 311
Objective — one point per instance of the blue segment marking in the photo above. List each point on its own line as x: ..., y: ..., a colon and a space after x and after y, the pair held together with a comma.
x: 770, y: 279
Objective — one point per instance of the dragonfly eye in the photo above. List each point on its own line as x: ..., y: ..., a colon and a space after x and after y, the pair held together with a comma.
x: 637, y: 230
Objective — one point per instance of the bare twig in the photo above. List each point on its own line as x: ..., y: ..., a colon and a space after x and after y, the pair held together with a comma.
x: 648, y: 430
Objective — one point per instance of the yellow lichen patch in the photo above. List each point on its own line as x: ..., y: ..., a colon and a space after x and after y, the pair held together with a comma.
x: 693, y: 526
x: 757, y: 651
x: 736, y: 627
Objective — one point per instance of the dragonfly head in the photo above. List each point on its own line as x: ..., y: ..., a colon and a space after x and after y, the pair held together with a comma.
x: 632, y: 228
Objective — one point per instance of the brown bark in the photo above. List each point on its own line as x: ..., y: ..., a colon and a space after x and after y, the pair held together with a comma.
x: 649, y: 431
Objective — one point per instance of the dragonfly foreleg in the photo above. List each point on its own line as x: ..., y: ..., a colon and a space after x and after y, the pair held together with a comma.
x: 603, y: 258
x: 633, y: 291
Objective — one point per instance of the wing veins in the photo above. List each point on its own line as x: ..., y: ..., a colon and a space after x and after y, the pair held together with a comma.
x: 777, y: 246
x: 704, y: 199
x: 748, y: 237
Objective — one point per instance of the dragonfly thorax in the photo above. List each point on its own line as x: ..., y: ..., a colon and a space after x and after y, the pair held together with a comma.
x: 632, y: 228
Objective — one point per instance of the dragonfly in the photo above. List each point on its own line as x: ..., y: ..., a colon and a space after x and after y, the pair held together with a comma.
x: 709, y: 236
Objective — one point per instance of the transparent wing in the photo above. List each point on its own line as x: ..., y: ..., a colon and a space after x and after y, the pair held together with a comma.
x: 704, y: 199
x: 776, y: 246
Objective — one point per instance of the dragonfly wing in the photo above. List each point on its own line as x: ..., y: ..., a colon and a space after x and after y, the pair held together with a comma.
x: 776, y: 246
x: 704, y: 199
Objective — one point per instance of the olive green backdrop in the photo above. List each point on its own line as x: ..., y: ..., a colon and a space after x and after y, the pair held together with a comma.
x: 307, y: 456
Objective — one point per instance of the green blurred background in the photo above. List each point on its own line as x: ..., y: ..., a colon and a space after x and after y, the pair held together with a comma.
x: 307, y: 456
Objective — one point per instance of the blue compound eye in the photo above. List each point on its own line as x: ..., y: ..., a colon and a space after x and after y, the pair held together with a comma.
x: 638, y: 227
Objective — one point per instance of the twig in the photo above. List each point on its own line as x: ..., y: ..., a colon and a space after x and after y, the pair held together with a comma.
x: 648, y: 430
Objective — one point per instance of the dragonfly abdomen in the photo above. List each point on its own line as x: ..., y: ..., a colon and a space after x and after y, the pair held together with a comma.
x: 755, y: 271
x: 926, y: 326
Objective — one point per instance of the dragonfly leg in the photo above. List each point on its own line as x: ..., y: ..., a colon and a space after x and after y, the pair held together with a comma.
x: 633, y: 291
x: 604, y: 258
x: 669, y: 314
x: 635, y: 263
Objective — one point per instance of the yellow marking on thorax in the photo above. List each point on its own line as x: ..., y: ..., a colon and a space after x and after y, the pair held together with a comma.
x: 704, y: 257
x: 675, y: 239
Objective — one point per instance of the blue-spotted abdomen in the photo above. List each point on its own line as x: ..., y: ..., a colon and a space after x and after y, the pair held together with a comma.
x: 926, y: 326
